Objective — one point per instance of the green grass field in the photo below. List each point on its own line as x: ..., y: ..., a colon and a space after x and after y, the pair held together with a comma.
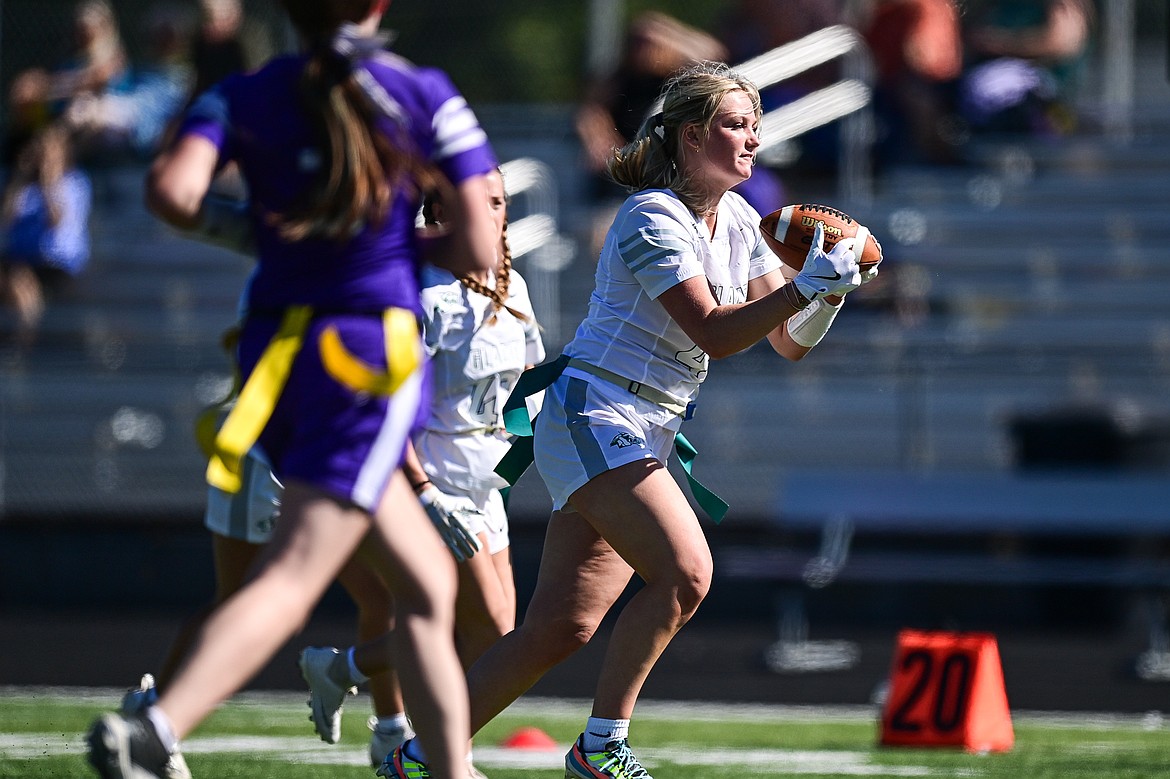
x: 268, y: 736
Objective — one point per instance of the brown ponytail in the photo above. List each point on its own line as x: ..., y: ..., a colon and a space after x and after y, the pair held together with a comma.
x: 359, y: 166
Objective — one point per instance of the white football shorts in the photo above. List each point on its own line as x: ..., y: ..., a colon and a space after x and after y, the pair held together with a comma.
x: 493, y: 522
x: 249, y: 515
x: 588, y: 427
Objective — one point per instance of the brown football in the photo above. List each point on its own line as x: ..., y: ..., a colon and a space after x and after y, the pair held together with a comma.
x: 789, y: 231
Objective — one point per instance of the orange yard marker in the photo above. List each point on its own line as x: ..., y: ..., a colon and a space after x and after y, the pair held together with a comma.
x: 947, y: 689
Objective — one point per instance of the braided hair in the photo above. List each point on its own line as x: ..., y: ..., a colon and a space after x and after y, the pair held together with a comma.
x: 499, y: 294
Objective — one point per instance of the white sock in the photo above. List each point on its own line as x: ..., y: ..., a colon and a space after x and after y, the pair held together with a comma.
x: 163, y: 727
x: 394, y: 722
x: 599, y: 732
x: 355, y: 675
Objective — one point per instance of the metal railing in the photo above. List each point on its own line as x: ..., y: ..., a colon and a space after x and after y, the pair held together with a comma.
x: 532, y: 186
x: 848, y: 100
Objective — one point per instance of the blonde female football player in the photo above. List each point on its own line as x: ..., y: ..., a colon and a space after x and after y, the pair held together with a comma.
x: 684, y: 276
x: 481, y: 333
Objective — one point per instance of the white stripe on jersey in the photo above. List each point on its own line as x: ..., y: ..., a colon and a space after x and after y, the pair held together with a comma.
x: 456, y: 129
x: 385, y: 454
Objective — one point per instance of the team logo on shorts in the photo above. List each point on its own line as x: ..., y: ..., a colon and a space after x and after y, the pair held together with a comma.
x: 622, y: 440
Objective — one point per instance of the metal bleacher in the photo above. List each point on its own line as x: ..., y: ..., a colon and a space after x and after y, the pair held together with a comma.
x: 1028, y: 285
x: 1032, y: 278
x: 97, y: 419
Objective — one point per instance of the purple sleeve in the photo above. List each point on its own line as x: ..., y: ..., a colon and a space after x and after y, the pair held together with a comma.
x: 461, y: 148
x: 208, y: 116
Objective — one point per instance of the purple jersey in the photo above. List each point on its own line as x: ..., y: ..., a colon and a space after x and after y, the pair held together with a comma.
x: 256, y: 120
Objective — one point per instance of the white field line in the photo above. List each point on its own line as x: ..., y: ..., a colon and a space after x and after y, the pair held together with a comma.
x: 684, y: 711
x: 27, y: 746
x: 310, y: 751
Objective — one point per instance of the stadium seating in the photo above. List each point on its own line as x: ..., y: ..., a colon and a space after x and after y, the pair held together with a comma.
x: 1028, y: 282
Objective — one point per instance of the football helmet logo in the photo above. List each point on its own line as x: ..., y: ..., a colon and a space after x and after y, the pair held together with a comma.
x: 622, y: 440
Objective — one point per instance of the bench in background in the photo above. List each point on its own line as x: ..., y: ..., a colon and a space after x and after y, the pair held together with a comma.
x: 862, y: 517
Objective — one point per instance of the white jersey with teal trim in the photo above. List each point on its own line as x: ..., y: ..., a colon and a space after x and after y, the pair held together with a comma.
x: 656, y: 242
x: 474, y: 367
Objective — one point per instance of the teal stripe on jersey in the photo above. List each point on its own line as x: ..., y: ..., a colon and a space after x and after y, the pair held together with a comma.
x: 653, y: 238
x: 653, y: 235
x: 592, y: 457
x: 637, y: 253
x: 648, y: 260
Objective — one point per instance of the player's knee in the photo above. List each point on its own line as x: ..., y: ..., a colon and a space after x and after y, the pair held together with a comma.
x: 435, y: 602
x: 502, y: 620
x: 691, y: 585
x: 689, y: 596
x: 560, y: 638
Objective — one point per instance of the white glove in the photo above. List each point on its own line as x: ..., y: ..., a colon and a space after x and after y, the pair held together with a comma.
x: 450, y: 516
x: 225, y: 222
x: 870, y: 273
x: 835, y: 273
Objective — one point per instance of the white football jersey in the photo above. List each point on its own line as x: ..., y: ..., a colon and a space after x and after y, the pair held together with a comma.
x: 656, y: 242
x: 474, y: 367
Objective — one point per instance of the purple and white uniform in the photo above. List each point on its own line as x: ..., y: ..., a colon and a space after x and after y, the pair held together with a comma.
x: 322, y: 432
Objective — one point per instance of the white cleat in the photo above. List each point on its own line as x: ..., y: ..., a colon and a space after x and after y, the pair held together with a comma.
x: 326, y: 695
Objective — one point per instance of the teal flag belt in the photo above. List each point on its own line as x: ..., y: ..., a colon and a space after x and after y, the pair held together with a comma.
x: 517, y: 422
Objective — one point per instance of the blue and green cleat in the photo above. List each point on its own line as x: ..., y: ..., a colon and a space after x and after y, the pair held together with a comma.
x: 616, y: 761
x: 398, y: 765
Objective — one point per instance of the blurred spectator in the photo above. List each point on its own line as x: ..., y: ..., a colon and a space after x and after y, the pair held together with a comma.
x: 656, y: 46
x: 136, y: 119
x: 1024, y: 60
x: 918, y: 57
x: 754, y: 27
x: 28, y: 111
x: 45, y: 216
x: 226, y: 43
x: 97, y: 65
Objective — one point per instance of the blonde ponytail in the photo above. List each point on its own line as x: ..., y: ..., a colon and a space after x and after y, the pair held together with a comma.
x: 691, y: 97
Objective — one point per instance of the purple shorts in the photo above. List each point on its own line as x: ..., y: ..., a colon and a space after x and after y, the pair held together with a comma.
x: 323, y: 433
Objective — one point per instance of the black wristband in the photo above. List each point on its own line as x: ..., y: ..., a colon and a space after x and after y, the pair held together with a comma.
x: 420, y: 485
x: 794, y: 297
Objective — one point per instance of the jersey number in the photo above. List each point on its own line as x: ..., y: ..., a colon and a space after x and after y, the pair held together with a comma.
x: 696, y: 361
x: 484, y: 403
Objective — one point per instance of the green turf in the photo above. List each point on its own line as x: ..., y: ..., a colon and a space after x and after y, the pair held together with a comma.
x: 41, y: 737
